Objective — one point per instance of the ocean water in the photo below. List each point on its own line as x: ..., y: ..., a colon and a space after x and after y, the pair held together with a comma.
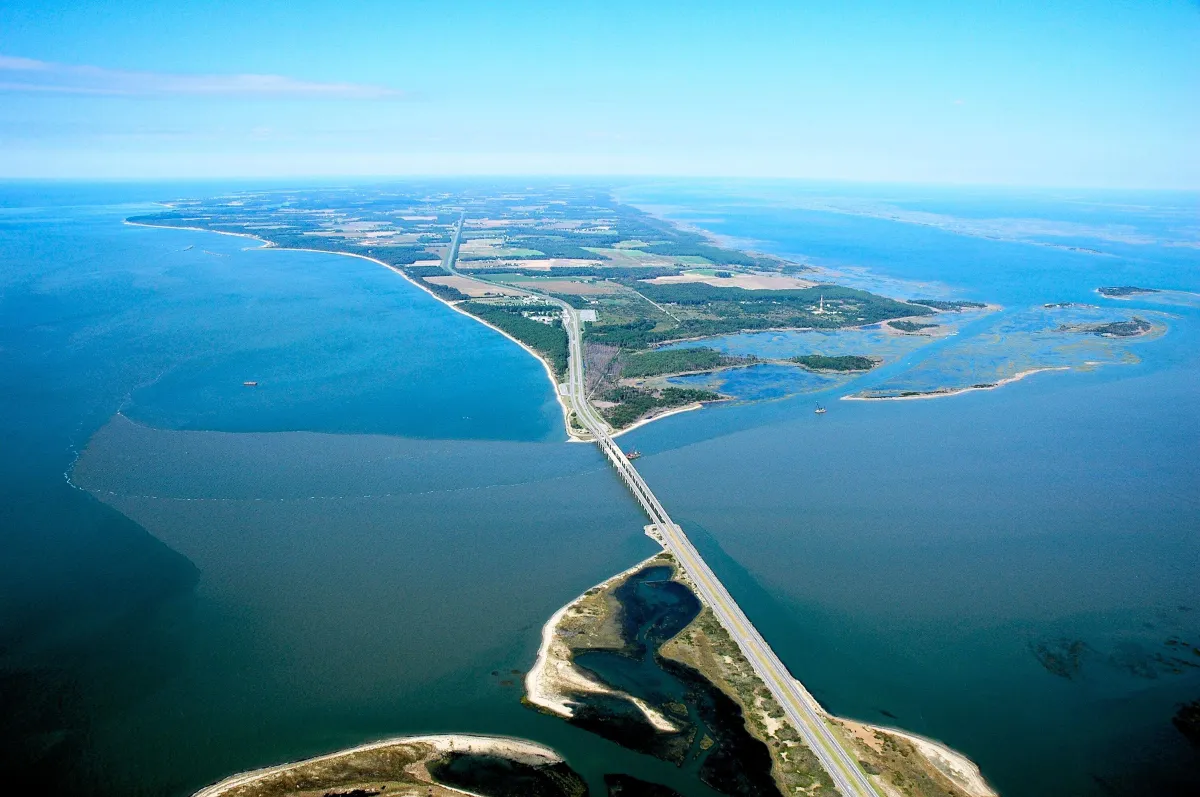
x: 233, y: 576
x: 368, y: 542
x: 914, y: 562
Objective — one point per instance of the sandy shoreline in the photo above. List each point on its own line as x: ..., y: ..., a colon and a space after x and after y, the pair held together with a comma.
x: 960, y: 769
x: 955, y: 766
x: 554, y: 677
x: 553, y: 682
x: 944, y: 392
x: 509, y: 747
x: 659, y: 417
x: 394, y: 269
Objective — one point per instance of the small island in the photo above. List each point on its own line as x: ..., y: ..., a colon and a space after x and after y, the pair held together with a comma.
x: 911, y: 327
x: 949, y: 306
x: 842, y: 363
x: 650, y: 618
x: 1124, y: 291
x: 1130, y: 328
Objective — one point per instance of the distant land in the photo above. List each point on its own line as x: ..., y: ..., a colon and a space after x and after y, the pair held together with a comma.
x: 519, y: 257
x: 526, y: 264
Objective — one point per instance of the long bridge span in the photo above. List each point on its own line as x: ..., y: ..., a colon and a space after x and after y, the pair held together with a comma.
x: 800, y: 707
x: 798, y: 704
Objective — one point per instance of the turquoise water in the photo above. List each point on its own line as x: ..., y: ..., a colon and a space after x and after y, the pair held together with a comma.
x: 368, y: 542
x: 759, y: 382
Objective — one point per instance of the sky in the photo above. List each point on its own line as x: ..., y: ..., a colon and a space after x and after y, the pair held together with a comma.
x: 1096, y: 94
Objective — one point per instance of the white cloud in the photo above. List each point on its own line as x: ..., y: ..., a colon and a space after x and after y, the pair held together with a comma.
x: 29, y: 75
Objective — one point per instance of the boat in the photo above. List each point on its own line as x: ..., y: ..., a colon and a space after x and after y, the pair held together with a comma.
x: 249, y: 384
x: 632, y: 455
x: 820, y: 410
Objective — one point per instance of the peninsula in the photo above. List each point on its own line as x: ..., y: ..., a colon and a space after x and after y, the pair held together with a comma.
x: 517, y: 260
x: 593, y: 288
x: 417, y: 766
x: 740, y: 735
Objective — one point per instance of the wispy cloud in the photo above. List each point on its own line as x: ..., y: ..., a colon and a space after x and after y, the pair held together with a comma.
x: 29, y: 75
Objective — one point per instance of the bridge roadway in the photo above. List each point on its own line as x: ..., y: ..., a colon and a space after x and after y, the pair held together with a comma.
x: 800, y: 707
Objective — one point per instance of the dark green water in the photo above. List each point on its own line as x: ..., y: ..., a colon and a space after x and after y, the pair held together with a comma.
x: 242, y: 599
x: 711, y: 745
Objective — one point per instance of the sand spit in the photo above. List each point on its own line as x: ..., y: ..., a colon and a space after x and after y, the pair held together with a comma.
x: 946, y: 391
x: 554, y: 682
x: 937, y: 327
x: 1157, y: 295
x: 704, y: 645
x: 961, y: 771
x: 954, y: 765
x: 421, y: 748
x: 265, y: 243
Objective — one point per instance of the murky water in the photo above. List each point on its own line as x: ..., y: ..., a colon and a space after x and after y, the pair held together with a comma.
x: 368, y: 543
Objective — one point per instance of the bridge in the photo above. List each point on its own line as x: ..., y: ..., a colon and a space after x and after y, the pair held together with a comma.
x: 800, y: 707
x: 798, y: 704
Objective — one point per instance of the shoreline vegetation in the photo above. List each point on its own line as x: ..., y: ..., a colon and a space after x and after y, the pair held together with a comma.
x: 642, y: 281
x: 414, y: 765
x: 555, y: 683
x: 899, y: 762
x: 844, y: 363
x: 644, y: 315
x: 702, y: 653
x: 268, y: 245
x: 1124, y: 291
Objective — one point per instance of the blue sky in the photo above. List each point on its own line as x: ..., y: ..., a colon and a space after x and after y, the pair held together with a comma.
x: 1097, y: 93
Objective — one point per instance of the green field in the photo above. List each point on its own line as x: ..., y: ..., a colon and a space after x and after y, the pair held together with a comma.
x: 677, y: 361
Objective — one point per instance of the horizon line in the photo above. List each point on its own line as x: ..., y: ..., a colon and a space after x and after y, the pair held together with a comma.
x: 585, y: 177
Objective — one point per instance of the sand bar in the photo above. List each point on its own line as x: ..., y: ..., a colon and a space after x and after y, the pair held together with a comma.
x: 520, y: 750
x: 554, y: 680
x: 945, y: 391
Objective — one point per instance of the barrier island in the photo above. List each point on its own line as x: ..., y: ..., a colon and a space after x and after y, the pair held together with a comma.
x: 688, y: 695
x: 513, y: 259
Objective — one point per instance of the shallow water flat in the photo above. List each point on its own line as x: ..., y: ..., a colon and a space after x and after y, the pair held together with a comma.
x: 1011, y: 571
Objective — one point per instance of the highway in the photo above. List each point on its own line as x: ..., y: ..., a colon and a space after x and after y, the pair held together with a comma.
x: 451, y: 257
x: 801, y: 708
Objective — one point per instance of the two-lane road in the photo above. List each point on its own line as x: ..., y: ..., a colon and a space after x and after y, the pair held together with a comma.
x: 800, y: 707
